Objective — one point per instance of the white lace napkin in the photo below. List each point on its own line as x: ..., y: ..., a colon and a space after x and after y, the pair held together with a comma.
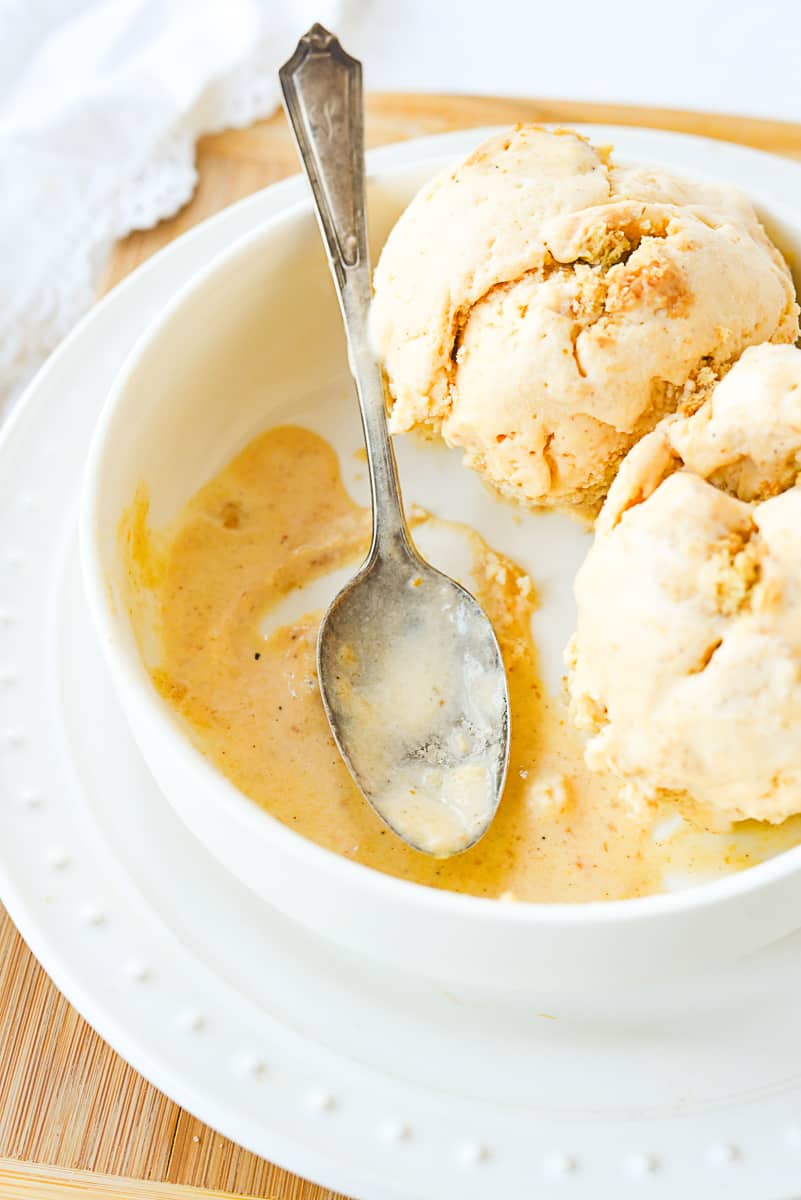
x: 101, y: 102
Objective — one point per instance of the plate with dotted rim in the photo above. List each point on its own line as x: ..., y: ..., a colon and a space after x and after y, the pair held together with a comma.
x: 369, y: 1082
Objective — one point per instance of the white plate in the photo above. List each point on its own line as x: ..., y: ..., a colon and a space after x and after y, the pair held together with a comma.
x: 367, y: 1081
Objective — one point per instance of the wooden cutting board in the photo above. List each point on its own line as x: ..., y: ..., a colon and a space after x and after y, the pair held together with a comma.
x: 66, y: 1100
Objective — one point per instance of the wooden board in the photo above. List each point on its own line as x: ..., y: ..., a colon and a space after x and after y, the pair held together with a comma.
x: 65, y: 1098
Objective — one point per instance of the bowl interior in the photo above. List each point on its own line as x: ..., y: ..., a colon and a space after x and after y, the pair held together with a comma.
x: 256, y: 341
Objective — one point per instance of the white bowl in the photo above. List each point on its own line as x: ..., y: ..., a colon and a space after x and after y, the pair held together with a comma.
x: 254, y: 340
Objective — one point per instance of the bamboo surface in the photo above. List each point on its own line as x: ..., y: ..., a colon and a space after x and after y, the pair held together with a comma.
x: 34, y: 1182
x: 66, y: 1100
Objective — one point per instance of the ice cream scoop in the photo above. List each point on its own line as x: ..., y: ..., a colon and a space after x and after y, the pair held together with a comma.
x: 410, y: 670
x: 542, y: 307
x: 686, y: 665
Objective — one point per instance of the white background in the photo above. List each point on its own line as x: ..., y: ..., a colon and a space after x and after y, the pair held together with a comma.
x: 725, y: 55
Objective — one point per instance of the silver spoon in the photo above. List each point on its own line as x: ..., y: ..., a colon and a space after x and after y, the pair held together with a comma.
x: 410, y: 671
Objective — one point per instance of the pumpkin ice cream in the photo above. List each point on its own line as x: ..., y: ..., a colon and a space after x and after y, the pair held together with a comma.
x: 686, y: 664
x: 542, y: 307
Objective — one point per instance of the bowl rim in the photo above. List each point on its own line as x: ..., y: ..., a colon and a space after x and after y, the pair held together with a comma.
x: 136, y: 689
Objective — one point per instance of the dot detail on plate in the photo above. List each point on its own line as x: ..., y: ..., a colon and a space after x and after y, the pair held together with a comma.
x: 394, y: 1132
x: 722, y: 1155
x: 7, y: 678
x: 318, y: 1100
x: 31, y: 800
x: 15, y: 738
x: 58, y: 858
x: 640, y: 1165
x: 192, y: 1021
x: 93, y: 916
x: 252, y: 1066
x: 472, y: 1154
x: 558, y: 1166
x: 6, y: 618
x: 137, y: 971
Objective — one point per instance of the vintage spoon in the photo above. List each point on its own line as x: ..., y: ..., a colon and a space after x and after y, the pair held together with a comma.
x: 410, y: 670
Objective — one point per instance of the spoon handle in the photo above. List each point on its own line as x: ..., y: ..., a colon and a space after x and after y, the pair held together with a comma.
x: 322, y: 88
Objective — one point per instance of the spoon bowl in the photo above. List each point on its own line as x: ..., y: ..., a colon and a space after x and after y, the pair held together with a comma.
x: 415, y: 691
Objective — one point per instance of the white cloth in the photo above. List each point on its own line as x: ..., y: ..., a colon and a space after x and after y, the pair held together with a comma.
x: 100, y: 107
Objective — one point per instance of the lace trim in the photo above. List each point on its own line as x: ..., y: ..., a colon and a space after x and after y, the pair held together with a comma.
x: 155, y: 191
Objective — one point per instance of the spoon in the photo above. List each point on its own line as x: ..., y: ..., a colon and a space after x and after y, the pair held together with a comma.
x: 410, y: 672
